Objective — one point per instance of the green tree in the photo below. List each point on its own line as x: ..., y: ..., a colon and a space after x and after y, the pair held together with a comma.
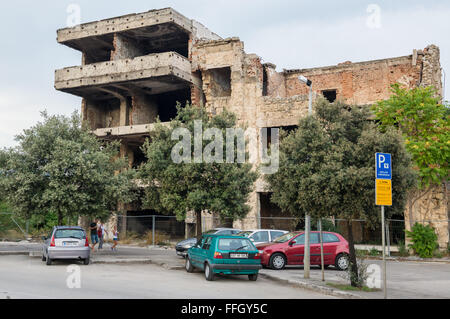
x: 60, y: 168
x: 425, y: 125
x: 192, y: 186
x: 327, y: 168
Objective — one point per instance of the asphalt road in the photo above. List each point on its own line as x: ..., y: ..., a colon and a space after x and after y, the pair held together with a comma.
x: 30, y: 278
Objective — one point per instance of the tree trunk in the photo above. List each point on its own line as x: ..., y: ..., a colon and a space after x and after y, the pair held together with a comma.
x: 199, y: 224
x: 60, y: 219
x: 352, y: 258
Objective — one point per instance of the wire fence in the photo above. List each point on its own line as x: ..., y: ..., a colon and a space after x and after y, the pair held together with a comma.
x: 167, y: 230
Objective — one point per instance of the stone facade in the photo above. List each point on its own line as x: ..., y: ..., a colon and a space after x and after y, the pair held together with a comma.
x: 137, y: 67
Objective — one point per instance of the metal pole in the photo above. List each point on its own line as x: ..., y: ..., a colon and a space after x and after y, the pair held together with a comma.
x: 321, y: 249
x: 153, y: 229
x: 388, y: 238
x: 384, y: 252
x: 306, y: 258
x: 310, y: 100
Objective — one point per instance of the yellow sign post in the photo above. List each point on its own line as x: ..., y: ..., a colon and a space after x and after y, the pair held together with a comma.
x: 383, y: 192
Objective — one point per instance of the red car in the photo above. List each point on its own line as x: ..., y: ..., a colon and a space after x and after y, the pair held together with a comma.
x: 289, y: 250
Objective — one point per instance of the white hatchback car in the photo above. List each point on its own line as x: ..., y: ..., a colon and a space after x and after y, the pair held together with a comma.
x: 260, y: 236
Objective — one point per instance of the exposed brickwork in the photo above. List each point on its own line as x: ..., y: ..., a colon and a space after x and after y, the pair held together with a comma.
x: 220, y: 76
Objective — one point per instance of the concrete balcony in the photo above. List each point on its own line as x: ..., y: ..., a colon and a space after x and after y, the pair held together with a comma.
x: 150, y: 74
x: 126, y: 131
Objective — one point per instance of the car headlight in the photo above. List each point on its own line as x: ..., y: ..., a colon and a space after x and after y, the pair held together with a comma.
x: 187, y: 246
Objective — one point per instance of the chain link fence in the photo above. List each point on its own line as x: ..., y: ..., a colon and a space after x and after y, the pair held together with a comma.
x: 166, y: 230
x: 12, y: 228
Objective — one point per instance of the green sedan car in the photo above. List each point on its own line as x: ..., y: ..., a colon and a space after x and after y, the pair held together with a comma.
x: 224, y: 254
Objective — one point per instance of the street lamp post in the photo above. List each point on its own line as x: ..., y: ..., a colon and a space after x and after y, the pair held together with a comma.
x: 306, y: 257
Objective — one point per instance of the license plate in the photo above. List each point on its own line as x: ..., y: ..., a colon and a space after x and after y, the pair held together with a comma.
x: 234, y: 255
x: 69, y: 243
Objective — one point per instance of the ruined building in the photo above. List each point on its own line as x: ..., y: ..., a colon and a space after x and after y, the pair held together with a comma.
x: 136, y: 67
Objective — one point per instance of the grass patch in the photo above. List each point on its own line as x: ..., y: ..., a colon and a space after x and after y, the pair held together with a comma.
x: 351, y: 288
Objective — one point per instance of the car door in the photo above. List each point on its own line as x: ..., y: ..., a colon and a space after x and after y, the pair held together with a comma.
x: 314, y: 248
x: 260, y: 237
x: 195, y: 253
x: 330, y: 244
x: 203, y: 252
x: 295, y: 250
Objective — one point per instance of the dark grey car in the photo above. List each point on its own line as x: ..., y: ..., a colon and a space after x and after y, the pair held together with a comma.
x: 66, y: 242
x: 183, y: 246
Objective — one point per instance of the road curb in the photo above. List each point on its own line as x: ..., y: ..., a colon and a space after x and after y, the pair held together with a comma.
x: 6, y: 253
x: 406, y: 259
x: 137, y: 261
x: 314, y: 287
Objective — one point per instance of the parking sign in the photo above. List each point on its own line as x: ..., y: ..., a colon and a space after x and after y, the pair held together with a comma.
x: 383, y: 166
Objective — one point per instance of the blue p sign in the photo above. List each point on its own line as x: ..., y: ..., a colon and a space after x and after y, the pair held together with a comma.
x: 383, y: 166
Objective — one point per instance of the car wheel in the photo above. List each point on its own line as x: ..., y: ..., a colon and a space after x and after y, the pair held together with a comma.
x: 49, y: 261
x: 86, y: 261
x: 342, y: 262
x: 188, y: 265
x: 253, y: 277
x: 277, y: 261
x: 209, y: 274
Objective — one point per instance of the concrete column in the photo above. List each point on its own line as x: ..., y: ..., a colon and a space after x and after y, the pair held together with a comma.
x: 124, y: 112
x: 125, y: 48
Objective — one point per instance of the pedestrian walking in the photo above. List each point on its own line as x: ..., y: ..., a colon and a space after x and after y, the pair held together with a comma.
x: 115, y: 238
x: 101, y: 231
x: 94, y: 234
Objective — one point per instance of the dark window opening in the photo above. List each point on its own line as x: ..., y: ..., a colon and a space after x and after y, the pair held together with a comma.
x: 272, y: 216
x: 139, y: 157
x: 267, y: 131
x: 265, y: 84
x: 167, y: 103
x: 330, y: 95
x: 220, y: 84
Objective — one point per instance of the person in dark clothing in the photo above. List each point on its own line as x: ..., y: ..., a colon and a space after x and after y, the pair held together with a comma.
x: 94, y: 234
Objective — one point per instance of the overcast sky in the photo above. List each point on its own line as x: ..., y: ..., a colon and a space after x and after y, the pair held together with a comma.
x: 290, y: 34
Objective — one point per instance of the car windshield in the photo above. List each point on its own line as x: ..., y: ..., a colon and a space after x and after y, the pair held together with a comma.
x: 285, y: 238
x: 244, y: 233
x: 70, y: 233
x: 235, y: 244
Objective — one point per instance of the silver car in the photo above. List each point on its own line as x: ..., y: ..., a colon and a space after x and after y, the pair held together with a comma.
x: 66, y: 242
x: 260, y: 236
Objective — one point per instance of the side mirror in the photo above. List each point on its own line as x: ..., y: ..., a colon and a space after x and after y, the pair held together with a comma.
x: 291, y: 243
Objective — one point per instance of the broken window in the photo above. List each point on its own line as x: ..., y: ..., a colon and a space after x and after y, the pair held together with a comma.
x: 330, y: 95
x: 220, y: 82
x: 167, y: 103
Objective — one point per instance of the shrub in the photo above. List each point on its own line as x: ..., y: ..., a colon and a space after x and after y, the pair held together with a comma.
x: 374, y: 252
x: 161, y: 238
x: 402, y: 250
x: 424, y: 240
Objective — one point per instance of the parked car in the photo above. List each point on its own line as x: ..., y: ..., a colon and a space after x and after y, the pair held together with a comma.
x: 289, y: 250
x: 66, y: 242
x: 182, y: 247
x: 260, y: 236
x: 224, y: 254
